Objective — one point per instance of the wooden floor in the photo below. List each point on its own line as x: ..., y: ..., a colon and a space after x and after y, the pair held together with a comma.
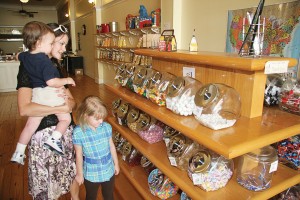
x: 13, y: 177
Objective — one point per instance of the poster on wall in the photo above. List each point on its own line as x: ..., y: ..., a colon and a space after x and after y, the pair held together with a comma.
x: 281, y: 35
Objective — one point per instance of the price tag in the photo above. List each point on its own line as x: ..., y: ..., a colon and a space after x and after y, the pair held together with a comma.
x: 274, y: 166
x: 120, y: 121
x: 197, y: 179
x: 173, y: 161
x: 273, y: 67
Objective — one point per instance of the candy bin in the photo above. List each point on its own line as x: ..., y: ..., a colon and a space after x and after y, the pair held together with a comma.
x: 273, y: 88
x: 118, y: 140
x: 157, y: 90
x: 256, y: 168
x: 120, y: 73
x: 289, y: 152
x: 160, y: 185
x: 180, y: 149
x: 289, y: 99
x: 125, y: 75
x: 217, y: 106
x: 169, y: 132
x: 147, y: 165
x: 130, y: 74
x: 150, y: 129
x: 132, y: 118
x: 180, y: 95
x: 209, y: 170
x: 130, y: 154
x: 122, y: 113
x: 141, y: 80
x: 115, y: 105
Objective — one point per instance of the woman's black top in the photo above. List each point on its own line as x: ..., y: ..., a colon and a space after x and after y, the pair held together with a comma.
x: 24, y: 81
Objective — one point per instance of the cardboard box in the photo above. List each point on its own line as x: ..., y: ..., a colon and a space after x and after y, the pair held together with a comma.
x: 78, y: 71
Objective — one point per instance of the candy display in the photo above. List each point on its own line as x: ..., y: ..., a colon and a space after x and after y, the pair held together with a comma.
x: 115, y: 105
x: 180, y: 149
x: 289, y: 99
x: 209, y: 170
x: 122, y: 113
x: 141, y: 80
x: 147, y: 165
x: 289, y: 152
x: 157, y: 90
x: 169, y: 132
x: 160, y: 185
x: 150, y: 129
x: 132, y: 118
x: 218, y: 106
x: 124, y: 72
x: 273, y: 89
x: 118, y: 140
x: 180, y: 95
x: 130, y: 154
x: 256, y: 168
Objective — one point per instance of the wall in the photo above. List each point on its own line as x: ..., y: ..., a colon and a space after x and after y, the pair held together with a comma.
x: 10, y: 18
x: 209, y: 18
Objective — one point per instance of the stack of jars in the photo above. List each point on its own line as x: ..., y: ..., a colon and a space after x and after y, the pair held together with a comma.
x: 157, y: 89
x: 180, y: 95
x: 217, y: 106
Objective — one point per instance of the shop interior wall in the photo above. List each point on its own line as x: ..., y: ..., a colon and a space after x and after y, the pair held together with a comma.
x: 209, y: 18
x: 9, y: 18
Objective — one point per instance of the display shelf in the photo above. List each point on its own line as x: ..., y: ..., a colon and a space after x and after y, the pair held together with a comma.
x: 116, y: 48
x: 156, y: 153
x: 111, y: 62
x: 245, y: 75
x: 138, y: 178
x: 246, y: 135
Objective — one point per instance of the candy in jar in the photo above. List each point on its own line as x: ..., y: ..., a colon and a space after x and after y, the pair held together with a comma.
x: 157, y: 89
x: 217, y: 106
x: 273, y: 89
x: 141, y: 80
x: 180, y: 95
x: 209, y: 170
x: 122, y: 113
x: 169, y: 132
x: 120, y: 73
x: 130, y: 154
x: 255, y: 169
x: 115, y: 105
x: 132, y: 118
x: 289, y: 99
x: 147, y: 165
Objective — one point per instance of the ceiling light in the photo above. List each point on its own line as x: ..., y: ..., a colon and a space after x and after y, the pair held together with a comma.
x: 24, y: 1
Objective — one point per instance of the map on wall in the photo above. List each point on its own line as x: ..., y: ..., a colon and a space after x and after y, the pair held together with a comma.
x: 282, y: 31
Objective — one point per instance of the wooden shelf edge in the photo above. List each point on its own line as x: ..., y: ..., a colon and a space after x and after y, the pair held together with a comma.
x: 228, y: 142
x: 283, y: 179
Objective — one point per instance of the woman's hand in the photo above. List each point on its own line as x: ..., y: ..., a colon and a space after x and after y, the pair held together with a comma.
x: 79, y: 178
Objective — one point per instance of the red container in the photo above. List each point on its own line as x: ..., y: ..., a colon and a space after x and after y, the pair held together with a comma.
x: 104, y: 28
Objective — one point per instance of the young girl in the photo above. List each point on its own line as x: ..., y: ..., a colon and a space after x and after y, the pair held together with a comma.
x: 96, y: 156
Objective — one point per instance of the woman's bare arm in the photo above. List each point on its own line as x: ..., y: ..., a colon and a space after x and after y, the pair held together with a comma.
x: 27, y: 108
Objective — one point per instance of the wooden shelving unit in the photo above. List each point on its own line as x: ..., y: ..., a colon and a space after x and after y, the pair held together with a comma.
x: 156, y: 153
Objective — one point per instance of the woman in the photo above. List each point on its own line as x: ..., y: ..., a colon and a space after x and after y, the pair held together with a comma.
x: 50, y: 175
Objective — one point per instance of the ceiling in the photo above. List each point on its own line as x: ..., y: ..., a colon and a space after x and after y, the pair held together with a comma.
x: 43, y: 3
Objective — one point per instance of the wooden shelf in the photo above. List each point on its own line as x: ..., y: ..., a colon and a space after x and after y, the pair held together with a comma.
x: 246, y: 135
x: 116, y: 48
x: 138, y: 178
x: 111, y: 61
x: 156, y: 153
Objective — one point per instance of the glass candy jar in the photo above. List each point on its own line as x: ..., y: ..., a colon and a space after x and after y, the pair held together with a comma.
x: 130, y: 74
x: 255, y: 169
x: 120, y: 73
x: 209, y: 170
x: 118, y: 141
x: 147, y: 165
x: 122, y: 112
x: 180, y: 95
x: 149, y: 128
x: 130, y: 154
x: 157, y: 90
x: 179, y: 151
x: 217, y: 106
x: 141, y: 79
x: 273, y: 88
x: 115, y: 105
x: 132, y: 118
x: 289, y: 99
x: 160, y: 185
x: 169, y: 132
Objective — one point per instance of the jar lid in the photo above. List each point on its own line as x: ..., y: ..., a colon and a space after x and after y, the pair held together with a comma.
x: 155, y: 79
x: 123, y: 110
x: 169, y: 131
x: 143, y: 121
x: 176, y: 85
x: 116, y: 103
x: 199, y: 162
x: 126, y: 148
x: 140, y: 76
x: 133, y: 115
x: 265, y: 154
x: 177, y: 145
x: 206, y: 95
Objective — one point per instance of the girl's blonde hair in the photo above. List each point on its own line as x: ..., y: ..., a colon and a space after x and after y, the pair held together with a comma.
x: 90, y: 106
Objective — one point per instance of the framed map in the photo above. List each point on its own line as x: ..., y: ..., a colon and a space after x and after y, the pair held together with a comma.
x: 282, y: 31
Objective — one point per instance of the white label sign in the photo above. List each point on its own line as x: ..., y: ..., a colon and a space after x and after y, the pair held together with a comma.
x: 273, y: 67
x: 274, y: 166
x: 173, y: 161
